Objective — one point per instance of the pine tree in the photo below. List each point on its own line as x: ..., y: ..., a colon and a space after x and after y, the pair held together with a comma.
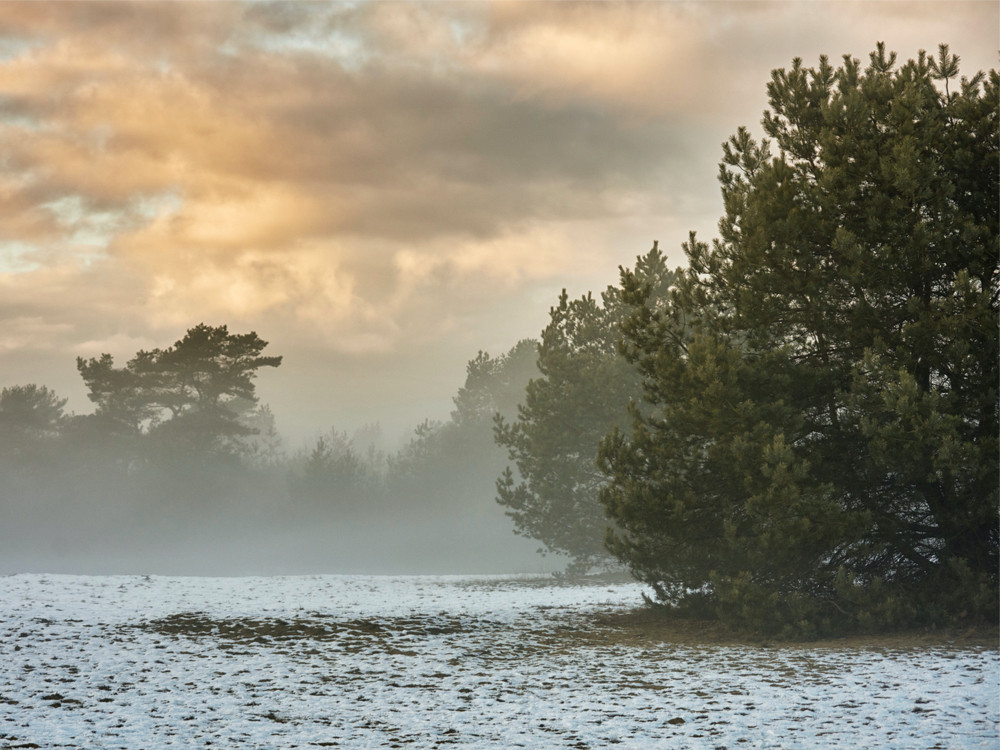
x: 823, y: 449
x: 583, y: 391
x: 191, y: 396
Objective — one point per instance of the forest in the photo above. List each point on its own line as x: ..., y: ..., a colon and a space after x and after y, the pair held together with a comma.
x: 181, y: 453
x: 795, y: 432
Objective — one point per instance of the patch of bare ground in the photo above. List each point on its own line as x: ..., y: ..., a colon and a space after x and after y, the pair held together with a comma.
x: 644, y: 625
x: 317, y: 627
x: 638, y: 627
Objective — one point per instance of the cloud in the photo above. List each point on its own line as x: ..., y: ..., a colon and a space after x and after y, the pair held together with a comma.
x: 639, y: 59
x: 376, y: 179
x: 280, y: 166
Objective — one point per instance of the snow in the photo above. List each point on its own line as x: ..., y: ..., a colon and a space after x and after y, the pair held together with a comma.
x: 473, y: 662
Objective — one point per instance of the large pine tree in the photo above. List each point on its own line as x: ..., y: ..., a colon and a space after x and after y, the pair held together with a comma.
x: 822, y: 446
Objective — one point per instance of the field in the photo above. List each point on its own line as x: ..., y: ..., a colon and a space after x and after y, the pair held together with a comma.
x: 475, y: 662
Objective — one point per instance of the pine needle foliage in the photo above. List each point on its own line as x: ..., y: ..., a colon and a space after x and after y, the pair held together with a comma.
x: 818, y: 447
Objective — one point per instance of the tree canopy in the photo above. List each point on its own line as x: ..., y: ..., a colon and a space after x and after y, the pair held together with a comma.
x: 31, y: 419
x: 193, y: 392
x: 31, y: 411
x: 821, y: 442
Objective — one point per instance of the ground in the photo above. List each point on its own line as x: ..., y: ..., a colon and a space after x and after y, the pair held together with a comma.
x: 477, y: 662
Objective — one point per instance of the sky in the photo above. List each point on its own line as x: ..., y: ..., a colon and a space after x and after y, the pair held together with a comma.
x: 378, y: 189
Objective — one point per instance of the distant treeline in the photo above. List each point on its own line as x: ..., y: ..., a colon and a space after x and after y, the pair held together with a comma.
x: 179, y: 443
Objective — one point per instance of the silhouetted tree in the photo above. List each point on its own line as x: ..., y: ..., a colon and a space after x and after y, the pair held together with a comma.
x: 193, y: 396
x: 30, y: 412
x: 453, y: 464
x: 31, y: 425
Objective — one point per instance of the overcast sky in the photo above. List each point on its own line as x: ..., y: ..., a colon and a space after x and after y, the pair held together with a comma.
x: 379, y: 189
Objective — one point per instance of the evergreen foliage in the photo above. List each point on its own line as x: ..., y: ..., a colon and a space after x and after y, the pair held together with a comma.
x: 455, y: 462
x: 495, y: 385
x: 820, y: 448
x: 194, y: 396
x: 29, y: 412
x: 334, y: 470
x: 582, y: 392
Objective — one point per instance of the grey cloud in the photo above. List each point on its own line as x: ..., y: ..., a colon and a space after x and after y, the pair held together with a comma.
x: 401, y: 136
x: 398, y: 136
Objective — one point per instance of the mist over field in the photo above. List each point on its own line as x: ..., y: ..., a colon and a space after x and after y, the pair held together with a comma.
x: 267, y: 543
x: 181, y: 471
x: 212, y: 491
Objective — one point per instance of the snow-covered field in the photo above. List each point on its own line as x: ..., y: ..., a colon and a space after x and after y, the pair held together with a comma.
x: 484, y: 662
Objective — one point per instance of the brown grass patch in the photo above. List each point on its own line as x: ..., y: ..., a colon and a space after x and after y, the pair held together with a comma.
x: 646, y: 625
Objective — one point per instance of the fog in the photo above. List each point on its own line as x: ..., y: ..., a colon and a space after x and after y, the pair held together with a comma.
x: 257, y: 534
x: 211, y: 489
x: 94, y: 540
